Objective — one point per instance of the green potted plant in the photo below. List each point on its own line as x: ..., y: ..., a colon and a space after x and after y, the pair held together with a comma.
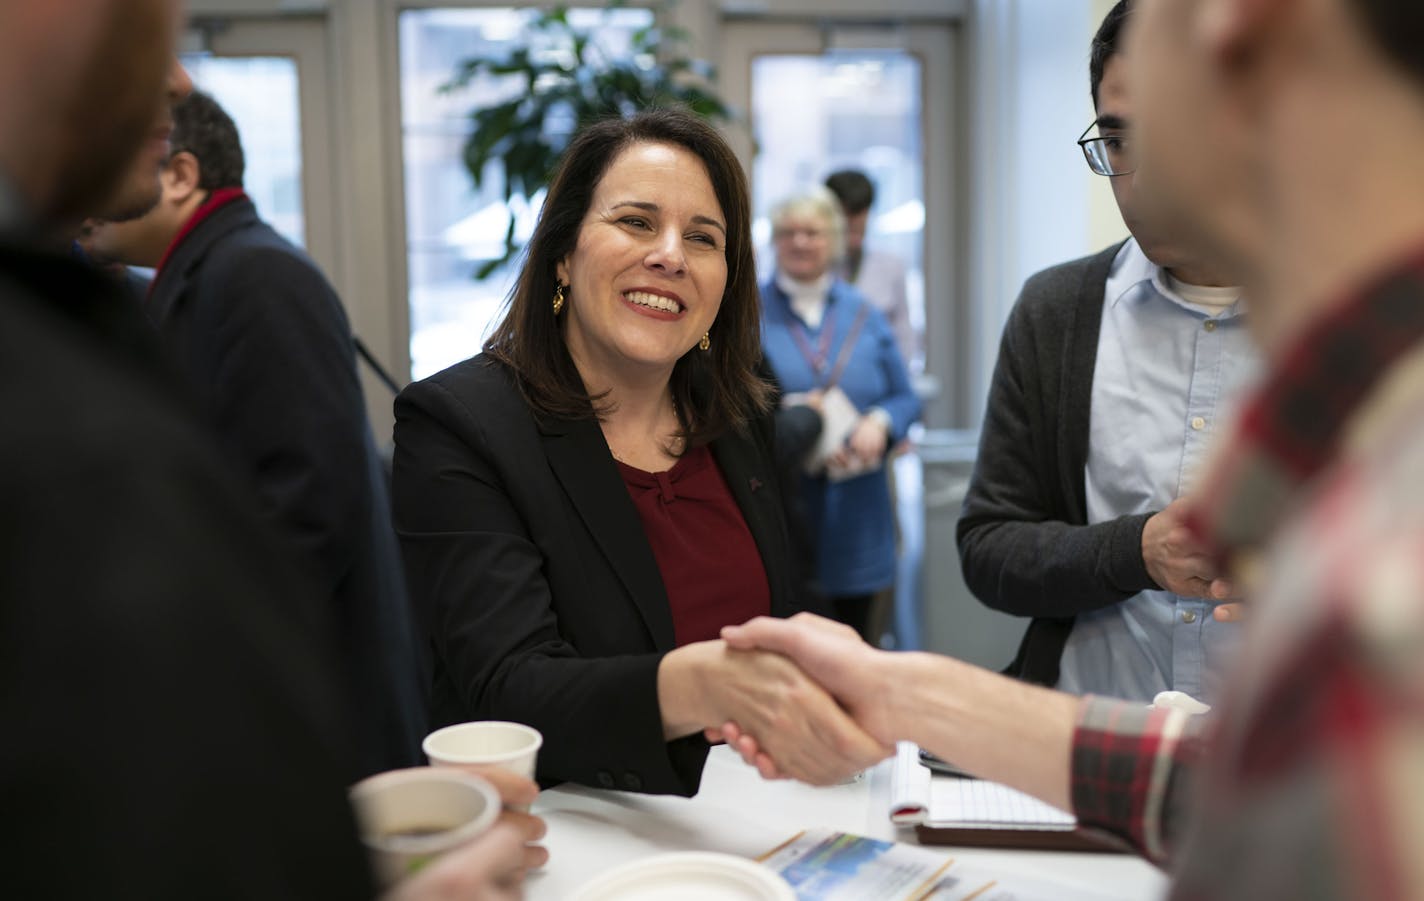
x: 568, y: 80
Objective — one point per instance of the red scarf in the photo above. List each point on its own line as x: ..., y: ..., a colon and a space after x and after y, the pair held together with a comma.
x: 216, y: 201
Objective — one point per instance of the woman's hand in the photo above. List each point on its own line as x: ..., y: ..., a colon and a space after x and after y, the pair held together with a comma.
x: 866, y: 445
x: 704, y: 685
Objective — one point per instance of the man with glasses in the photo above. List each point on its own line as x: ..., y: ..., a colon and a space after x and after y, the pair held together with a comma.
x: 1113, y: 373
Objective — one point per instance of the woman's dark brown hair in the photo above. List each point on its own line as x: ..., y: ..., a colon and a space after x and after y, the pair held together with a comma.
x: 716, y: 389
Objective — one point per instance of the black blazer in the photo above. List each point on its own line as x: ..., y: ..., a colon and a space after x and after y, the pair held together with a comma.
x: 534, y: 581
x: 266, y: 348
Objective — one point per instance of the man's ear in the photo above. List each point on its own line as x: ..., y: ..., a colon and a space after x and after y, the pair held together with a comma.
x: 180, y: 177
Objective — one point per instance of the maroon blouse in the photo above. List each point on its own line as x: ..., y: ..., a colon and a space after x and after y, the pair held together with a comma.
x: 709, y: 562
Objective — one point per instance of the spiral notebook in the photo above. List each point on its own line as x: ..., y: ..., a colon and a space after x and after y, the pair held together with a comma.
x: 949, y: 810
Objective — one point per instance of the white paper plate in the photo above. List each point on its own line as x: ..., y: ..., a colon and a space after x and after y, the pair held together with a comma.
x: 688, y: 876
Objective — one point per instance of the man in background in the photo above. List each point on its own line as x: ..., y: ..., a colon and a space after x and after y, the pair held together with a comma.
x: 1113, y: 374
x: 265, y: 347
x: 879, y: 275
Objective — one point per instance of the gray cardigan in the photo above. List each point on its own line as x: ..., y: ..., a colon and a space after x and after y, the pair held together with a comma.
x: 1024, y: 542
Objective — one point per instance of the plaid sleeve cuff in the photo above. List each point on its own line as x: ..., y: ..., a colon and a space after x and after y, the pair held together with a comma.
x: 1125, y: 757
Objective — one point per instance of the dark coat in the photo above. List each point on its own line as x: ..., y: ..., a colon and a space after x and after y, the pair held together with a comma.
x: 535, y: 583
x: 171, y: 722
x: 266, y: 348
x: 1024, y: 541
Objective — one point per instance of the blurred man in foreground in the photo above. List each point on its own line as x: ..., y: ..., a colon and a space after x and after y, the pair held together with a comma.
x: 1287, y: 134
x: 171, y: 726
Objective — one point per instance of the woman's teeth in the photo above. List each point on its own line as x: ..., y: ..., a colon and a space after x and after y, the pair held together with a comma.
x: 653, y: 301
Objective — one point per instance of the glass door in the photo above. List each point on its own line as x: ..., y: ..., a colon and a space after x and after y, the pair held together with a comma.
x: 270, y: 75
x: 821, y: 98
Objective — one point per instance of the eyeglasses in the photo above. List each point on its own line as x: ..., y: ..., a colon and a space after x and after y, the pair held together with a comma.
x: 1110, y: 155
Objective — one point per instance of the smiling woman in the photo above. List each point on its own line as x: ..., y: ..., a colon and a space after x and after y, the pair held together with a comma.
x: 646, y: 277
x: 583, y: 506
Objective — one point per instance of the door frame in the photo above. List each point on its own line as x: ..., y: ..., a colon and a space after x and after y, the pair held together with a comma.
x: 302, y: 39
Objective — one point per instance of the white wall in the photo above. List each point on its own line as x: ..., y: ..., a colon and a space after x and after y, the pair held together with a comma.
x: 1032, y: 200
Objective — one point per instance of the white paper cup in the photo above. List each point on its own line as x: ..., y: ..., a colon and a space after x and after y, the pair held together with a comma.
x: 409, y: 817
x: 509, y: 746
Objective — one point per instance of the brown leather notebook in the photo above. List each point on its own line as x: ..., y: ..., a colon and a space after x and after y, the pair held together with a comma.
x: 1024, y: 839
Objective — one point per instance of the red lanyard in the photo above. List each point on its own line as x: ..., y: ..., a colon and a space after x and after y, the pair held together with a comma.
x: 817, y: 358
x: 821, y: 355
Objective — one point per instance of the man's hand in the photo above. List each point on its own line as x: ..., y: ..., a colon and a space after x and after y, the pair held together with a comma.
x: 1228, y: 613
x: 1176, y: 561
x: 486, y: 868
x: 517, y: 793
x: 492, y: 866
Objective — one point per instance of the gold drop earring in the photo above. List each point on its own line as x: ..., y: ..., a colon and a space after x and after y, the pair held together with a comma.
x: 558, y: 298
x: 706, y: 341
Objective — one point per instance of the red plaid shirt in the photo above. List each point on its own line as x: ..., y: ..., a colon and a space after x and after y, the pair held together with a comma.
x: 1311, y: 783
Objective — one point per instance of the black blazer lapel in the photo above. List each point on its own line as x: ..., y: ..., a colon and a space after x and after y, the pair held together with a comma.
x: 580, y: 460
x: 747, y: 473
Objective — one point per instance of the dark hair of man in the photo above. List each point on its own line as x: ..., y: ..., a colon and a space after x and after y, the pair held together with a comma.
x: 1105, y: 44
x: 203, y: 128
x: 1398, y: 28
x: 851, y: 187
x: 714, y: 390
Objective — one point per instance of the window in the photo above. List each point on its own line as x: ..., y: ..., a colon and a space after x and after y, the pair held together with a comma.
x: 451, y: 228
x: 260, y: 93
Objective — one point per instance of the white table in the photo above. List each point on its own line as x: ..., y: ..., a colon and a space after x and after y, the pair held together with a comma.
x: 737, y: 812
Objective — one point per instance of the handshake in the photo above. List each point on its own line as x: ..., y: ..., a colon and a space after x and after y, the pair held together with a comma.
x: 827, y: 705
x: 803, y: 698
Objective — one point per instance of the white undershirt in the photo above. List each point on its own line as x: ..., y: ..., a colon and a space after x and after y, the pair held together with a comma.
x: 1212, y: 301
x: 807, y: 299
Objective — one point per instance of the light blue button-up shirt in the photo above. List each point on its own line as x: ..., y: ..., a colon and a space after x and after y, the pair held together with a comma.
x: 1168, y: 375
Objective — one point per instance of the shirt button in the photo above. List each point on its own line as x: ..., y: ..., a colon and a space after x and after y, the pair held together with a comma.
x: 1209, y: 325
x: 605, y: 779
x: 1198, y: 423
x: 632, y: 782
x: 1189, y: 617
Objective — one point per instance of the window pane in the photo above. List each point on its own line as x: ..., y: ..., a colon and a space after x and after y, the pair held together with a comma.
x: 260, y: 93
x: 845, y: 109
x: 451, y: 228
